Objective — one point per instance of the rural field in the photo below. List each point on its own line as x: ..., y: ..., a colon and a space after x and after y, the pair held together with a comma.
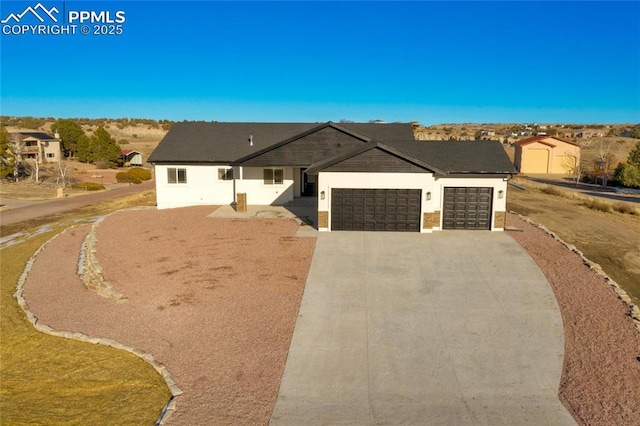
x: 609, y: 238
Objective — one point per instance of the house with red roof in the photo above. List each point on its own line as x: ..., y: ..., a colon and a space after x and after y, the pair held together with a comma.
x: 131, y: 157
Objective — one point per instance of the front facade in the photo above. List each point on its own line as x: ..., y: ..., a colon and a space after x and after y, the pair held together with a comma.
x: 547, y: 155
x: 391, y: 187
x: 37, y: 146
x: 359, y: 182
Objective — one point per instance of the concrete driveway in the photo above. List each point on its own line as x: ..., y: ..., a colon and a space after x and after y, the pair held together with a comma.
x: 449, y: 328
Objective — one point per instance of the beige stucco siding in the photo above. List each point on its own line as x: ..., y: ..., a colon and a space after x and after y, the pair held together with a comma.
x: 547, y: 155
x: 535, y: 160
x: 565, y: 164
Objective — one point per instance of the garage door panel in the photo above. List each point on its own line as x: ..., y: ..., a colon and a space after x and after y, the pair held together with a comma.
x: 382, y: 209
x: 467, y: 207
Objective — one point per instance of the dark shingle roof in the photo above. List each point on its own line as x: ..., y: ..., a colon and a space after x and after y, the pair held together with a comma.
x: 228, y: 142
x: 460, y: 157
x: 36, y: 135
x: 220, y: 142
x: 442, y: 157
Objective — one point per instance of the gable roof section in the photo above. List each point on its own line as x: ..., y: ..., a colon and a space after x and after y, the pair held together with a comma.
x: 541, y: 138
x: 346, y: 161
x: 319, y: 143
x: 226, y: 143
x: 442, y: 157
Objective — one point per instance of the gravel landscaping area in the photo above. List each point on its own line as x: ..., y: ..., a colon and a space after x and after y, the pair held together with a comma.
x: 216, y: 301
x: 600, y: 382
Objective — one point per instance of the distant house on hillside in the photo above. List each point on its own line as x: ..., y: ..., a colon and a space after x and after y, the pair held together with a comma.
x: 547, y: 155
x: 588, y: 134
x: 132, y: 157
x: 38, y: 146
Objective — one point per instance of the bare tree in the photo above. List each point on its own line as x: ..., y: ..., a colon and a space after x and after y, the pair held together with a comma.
x: 16, y: 147
x: 62, y: 173
x: 608, y: 154
x: 36, y: 169
x: 577, y: 172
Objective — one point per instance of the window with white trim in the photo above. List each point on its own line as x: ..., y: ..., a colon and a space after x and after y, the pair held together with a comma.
x: 225, y: 174
x: 176, y: 175
x: 273, y: 176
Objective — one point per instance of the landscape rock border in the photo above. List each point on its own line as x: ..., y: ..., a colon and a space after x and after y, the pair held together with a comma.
x: 634, y: 310
x: 89, y: 268
x: 169, y: 407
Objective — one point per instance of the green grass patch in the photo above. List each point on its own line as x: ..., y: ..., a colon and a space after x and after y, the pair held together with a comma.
x: 51, y: 380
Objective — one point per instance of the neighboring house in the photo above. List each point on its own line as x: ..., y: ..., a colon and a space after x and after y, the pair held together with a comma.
x: 131, y: 157
x: 488, y: 133
x: 547, y: 155
x: 363, y: 176
x: 38, y: 146
x: 588, y: 134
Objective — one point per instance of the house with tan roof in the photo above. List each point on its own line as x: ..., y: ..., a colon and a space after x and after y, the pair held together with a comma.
x: 544, y: 154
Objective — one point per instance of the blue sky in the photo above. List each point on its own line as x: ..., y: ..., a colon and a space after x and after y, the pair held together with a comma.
x: 433, y: 62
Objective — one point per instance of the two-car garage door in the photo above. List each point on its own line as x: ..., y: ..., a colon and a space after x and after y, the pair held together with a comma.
x: 375, y: 209
x: 399, y: 209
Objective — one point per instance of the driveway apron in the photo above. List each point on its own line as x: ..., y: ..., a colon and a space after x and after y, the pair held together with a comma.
x: 449, y: 328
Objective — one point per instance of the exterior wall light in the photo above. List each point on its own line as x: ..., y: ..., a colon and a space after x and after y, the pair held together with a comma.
x: 501, y: 194
x: 428, y: 196
x: 322, y: 195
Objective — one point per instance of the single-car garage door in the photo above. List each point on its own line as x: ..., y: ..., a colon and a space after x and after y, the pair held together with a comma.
x: 375, y: 209
x: 535, y: 161
x: 467, y: 208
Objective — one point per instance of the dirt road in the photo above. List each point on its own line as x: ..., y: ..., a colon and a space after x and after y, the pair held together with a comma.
x: 44, y: 208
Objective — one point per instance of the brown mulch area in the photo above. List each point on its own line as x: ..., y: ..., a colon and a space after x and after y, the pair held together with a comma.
x: 600, y: 382
x: 216, y: 301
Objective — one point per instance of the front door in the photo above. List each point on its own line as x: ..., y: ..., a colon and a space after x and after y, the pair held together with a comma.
x: 309, y: 185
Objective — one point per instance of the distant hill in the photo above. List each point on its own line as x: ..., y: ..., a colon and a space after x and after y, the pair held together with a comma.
x: 144, y: 134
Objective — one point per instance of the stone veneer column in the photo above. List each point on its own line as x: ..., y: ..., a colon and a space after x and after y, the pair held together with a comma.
x: 241, y: 203
x: 499, y: 219
x: 431, y: 220
x: 323, y: 219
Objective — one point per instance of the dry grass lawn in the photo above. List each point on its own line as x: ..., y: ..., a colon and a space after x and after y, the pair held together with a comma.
x: 610, y: 239
x: 51, y: 380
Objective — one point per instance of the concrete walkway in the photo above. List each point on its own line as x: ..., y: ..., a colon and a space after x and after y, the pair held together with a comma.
x: 450, y: 328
